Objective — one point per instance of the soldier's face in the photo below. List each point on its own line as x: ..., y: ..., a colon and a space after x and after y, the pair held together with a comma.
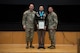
x: 31, y: 7
x: 41, y: 8
x: 50, y: 9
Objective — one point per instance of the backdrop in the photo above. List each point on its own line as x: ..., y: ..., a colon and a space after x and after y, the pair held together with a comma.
x: 11, y: 12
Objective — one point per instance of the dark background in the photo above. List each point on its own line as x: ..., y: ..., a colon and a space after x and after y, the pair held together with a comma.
x: 68, y: 12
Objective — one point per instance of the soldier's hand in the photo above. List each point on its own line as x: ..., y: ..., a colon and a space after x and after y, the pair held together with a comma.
x: 53, y: 28
x: 24, y: 27
x: 37, y: 14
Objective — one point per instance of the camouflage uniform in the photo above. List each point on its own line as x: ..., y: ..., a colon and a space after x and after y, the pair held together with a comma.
x: 28, y: 21
x: 52, y: 25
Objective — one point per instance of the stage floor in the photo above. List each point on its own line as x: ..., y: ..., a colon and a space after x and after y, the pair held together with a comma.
x: 20, y: 48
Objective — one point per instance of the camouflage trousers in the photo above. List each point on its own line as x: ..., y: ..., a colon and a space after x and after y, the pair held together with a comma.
x: 52, y: 36
x: 29, y: 34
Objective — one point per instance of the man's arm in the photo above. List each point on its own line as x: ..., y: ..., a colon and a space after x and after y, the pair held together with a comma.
x: 24, y: 20
x: 55, y: 19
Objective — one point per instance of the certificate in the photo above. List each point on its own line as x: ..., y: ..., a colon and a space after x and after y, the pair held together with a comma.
x: 41, y: 24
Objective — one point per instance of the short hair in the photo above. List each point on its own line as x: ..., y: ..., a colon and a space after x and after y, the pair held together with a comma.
x: 41, y: 5
x: 50, y: 6
x: 31, y: 3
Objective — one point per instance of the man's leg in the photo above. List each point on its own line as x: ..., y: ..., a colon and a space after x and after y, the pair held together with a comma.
x: 31, y: 37
x: 27, y: 37
x: 43, y: 38
x: 39, y: 38
x: 52, y: 38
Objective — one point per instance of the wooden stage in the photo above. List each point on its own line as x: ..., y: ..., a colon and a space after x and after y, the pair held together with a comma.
x: 20, y: 48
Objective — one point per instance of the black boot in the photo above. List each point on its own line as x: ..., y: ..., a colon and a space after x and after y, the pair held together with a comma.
x: 52, y: 46
x: 31, y: 45
x: 27, y: 45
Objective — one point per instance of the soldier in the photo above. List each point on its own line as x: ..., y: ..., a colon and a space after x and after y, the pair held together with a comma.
x: 28, y: 24
x: 41, y: 16
x: 52, y: 26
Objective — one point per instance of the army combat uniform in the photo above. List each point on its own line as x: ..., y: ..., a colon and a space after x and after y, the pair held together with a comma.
x: 28, y: 21
x: 52, y: 26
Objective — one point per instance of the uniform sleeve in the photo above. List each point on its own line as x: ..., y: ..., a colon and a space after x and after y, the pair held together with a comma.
x: 24, y: 19
x: 55, y: 18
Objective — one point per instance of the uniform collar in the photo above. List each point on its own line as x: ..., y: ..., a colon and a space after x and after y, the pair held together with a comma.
x: 30, y: 11
x: 51, y: 13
